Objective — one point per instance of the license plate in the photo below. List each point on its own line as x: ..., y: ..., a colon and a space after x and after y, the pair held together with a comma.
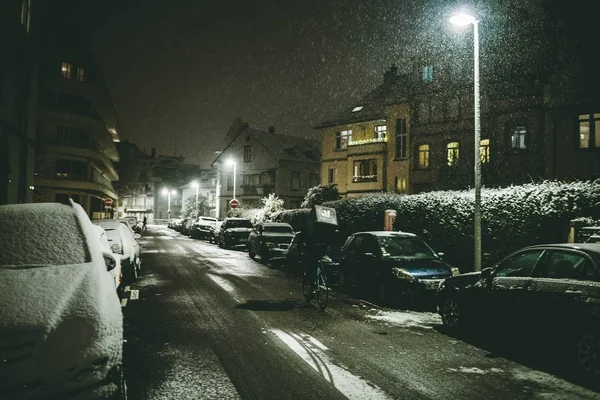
x: 433, y: 284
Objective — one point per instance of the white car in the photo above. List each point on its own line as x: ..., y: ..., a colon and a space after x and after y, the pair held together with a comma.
x: 122, y: 241
x: 61, y: 325
x: 116, y: 272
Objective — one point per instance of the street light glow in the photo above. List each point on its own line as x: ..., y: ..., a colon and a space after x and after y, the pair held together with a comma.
x: 195, y: 184
x: 230, y: 162
x: 174, y: 192
x: 165, y: 191
x: 462, y: 19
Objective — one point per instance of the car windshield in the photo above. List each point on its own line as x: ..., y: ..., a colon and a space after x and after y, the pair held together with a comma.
x: 239, y: 223
x: 396, y: 246
x: 278, y: 229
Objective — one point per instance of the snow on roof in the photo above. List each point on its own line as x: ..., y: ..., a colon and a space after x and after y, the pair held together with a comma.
x: 41, y: 234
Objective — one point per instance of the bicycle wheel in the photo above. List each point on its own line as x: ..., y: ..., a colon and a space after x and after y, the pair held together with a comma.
x: 307, y: 285
x: 322, y: 291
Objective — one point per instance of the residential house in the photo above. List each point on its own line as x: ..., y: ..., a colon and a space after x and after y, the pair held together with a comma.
x: 265, y: 162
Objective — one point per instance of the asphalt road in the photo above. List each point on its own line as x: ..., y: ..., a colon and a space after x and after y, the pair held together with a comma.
x: 208, y: 323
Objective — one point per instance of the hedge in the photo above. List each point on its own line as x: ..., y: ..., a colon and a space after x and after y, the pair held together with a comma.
x: 512, y: 217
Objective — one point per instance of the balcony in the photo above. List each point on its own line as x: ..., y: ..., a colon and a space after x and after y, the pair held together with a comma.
x: 369, y: 146
x: 364, y: 178
x: 85, y: 150
x: 97, y: 184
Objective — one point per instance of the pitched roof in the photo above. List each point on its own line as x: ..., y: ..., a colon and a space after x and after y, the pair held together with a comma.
x: 394, y: 90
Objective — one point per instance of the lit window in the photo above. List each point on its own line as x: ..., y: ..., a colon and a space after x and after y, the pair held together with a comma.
x: 400, y: 184
x: 424, y: 156
x: 484, y: 151
x: 589, y: 131
x: 342, y: 138
x: 66, y: 70
x: 357, y: 109
x: 80, y: 74
x: 400, y: 139
x: 295, y: 183
x: 452, y: 150
x: 380, y: 132
x: 365, y: 171
x: 247, y: 153
x: 517, y: 139
x: 332, y: 175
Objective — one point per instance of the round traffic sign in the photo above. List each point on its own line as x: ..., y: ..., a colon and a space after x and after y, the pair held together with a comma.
x: 234, y: 203
x: 108, y: 202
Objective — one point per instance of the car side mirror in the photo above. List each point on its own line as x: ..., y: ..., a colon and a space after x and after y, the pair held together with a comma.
x: 109, y: 261
x: 137, y: 236
x: 440, y: 255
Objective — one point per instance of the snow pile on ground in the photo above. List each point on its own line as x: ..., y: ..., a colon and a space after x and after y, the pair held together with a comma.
x: 408, y: 319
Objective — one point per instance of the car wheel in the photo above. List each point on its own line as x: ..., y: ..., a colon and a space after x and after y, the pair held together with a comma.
x: 452, y: 315
x: 588, y: 355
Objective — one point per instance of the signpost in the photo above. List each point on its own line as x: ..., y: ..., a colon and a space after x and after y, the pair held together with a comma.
x: 108, y: 203
x: 234, y: 203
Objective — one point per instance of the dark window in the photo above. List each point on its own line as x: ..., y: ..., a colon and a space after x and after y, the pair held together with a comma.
x: 428, y: 73
x: 518, y: 138
x: 400, y: 139
x: 295, y: 181
x: 247, y: 153
x: 342, y: 139
x: 589, y: 131
x: 332, y: 175
x: 72, y: 136
x: 80, y: 74
x: 519, y: 265
x: 563, y: 265
x: 71, y: 169
x: 365, y: 171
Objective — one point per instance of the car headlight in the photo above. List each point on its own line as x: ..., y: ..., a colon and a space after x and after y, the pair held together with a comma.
x: 455, y: 271
x: 269, y: 244
x: 401, y: 273
x: 326, y: 259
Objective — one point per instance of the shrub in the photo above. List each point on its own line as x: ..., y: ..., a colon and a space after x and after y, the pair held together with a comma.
x: 320, y: 194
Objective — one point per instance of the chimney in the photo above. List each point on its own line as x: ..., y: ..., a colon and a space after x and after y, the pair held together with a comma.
x: 153, y: 152
x: 271, y: 129
x: 391, y: 76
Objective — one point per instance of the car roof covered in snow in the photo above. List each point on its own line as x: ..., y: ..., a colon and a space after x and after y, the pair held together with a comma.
x: 42, y: 234
x: 387, y: 233
x: 587, y: 247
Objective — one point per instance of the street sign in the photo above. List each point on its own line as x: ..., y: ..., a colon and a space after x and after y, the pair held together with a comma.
x: 234, y: 203
x: 108, y: 202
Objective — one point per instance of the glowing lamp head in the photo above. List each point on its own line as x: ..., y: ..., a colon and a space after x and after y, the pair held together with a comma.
x: 462, y: 19
x: 165, y: 191
x: 195, y: 184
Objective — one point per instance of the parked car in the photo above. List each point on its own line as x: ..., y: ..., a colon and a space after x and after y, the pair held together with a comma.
x: 136, y: 226
x: 61, y: 326
x: 116, y: 272
x: 123, y: 242
x: 392, y: 266
x: 204, y: 228
x: 215, y: 234
x: 270, y: 240
x: 186, y: 226
x: 551, y: 291
x: 234, y: 232
x: 173, y: 222
x: 330, y: 260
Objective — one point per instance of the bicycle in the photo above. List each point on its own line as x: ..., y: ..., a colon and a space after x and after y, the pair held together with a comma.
x: 316, y: 287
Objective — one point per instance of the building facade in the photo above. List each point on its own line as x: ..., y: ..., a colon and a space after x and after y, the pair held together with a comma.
x: 76, y: 128
x: 265, y: 163
x: 18, y: 97
x: 540, y: 112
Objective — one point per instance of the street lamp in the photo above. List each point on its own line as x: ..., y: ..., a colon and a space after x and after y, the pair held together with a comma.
x: 462, y: 20
x: 231, y: 162
x: 197, y: 186
x: 169, y: 192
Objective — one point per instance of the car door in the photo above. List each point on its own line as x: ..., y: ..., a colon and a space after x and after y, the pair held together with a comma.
x: 368, y: 262
x: 349, y: 258
x: 506, y: 298
x: 562, y: 288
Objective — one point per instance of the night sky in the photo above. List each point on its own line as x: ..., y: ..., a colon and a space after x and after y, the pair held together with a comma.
x: 180, y: 71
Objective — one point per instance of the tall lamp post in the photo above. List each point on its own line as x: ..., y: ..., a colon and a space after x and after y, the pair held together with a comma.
x: 169, y: 192
x: 231, y: 162
x: 197, y: 186
x: 463, y: 20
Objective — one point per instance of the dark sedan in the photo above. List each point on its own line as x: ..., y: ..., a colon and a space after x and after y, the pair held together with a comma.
x: 270, y: 240
x: 392, y: 266
x: 545, y: 292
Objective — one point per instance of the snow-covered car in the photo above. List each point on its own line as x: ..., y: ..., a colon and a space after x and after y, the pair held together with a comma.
x: 115, y: 272
x: 122, y: 241
x: 270, y: 240
x: 545, y: 294
x: 204, y: 228
x: 61, y: 325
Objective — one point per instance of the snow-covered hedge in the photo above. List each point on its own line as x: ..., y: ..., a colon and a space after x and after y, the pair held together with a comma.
x: 512, y: 217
